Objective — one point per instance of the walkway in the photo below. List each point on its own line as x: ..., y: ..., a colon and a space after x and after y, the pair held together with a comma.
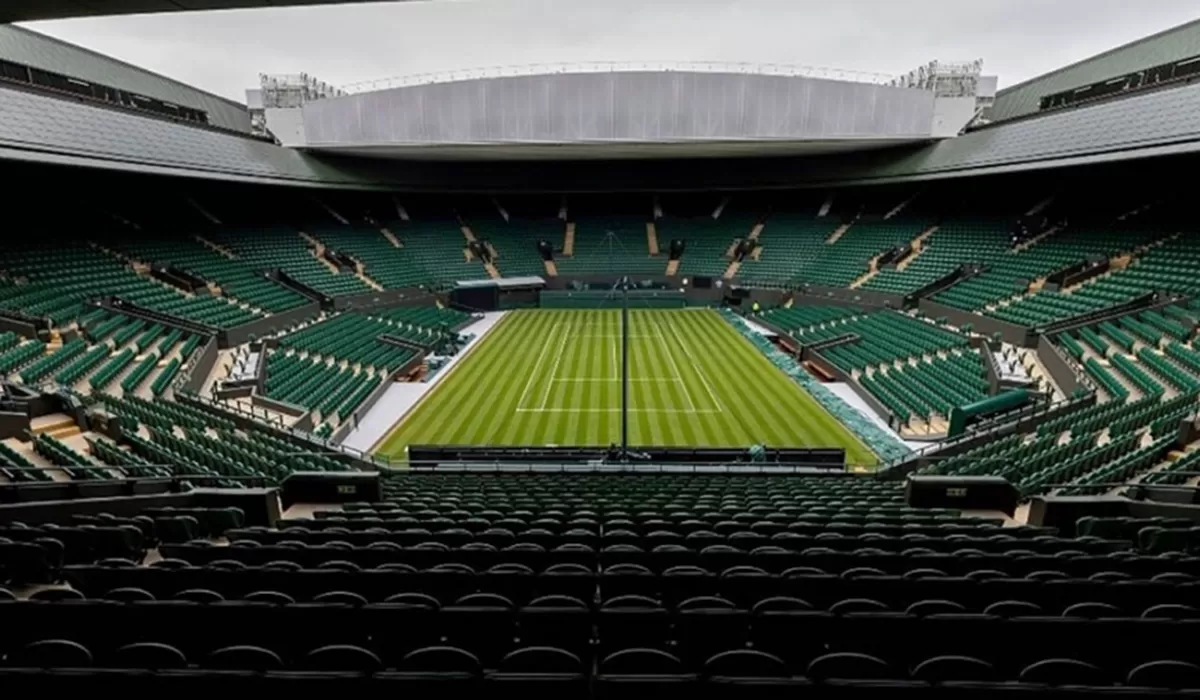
x: 400, y: 397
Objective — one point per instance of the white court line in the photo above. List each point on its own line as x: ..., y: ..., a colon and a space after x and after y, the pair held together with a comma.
x: 696, y: 366
x: 616, y: 368
x: 675, y: 367
x: 536, y: 365
x: 554, y: 369
x: 569, y: 380
x: 613, y: 410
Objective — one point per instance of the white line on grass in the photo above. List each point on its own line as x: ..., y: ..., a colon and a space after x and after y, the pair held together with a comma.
x: 536, y: 365
x: 616, y: 379
x: 674, y: 367
x: 616, y: 369
x: 554, y: 368
x: 696, y: 366
x: 615, y: 410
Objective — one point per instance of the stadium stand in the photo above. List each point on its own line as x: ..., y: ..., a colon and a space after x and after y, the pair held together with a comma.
x: 198, y: 373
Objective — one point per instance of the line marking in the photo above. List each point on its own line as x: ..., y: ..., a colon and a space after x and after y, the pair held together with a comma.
x: 696, y: 366
x: 675, y: 367
x: 616, y: 368
x: 615, y: 379
x: 554, y: 368
x: 615, y: 410
x: 536, y: 365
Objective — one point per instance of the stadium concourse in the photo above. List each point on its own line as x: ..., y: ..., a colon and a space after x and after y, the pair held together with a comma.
x: 912, y: 419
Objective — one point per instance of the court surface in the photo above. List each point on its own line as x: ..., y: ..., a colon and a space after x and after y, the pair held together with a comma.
x: 550, y: 377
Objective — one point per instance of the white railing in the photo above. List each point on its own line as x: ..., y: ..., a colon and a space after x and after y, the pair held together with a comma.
x: 746, y: 68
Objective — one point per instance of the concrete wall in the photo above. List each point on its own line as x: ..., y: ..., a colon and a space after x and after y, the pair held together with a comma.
x: 18, y: 324
x: 199, y: 367
x: 857, y: 297
x: 984, y: 325
x: 1057, y: 366
x: 12, y: 424
x: 270, y: 324
x: 385, y: 299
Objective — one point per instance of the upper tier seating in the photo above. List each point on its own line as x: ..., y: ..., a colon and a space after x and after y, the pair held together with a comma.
x: 790, y: 242
x: 436, y: 248
x: 707, y: 240
x: 839, y: 263
x: 1011, y: 274
x: 956, y: 242
x: 286, y: 251
x: 625, y: 250
x: 516, y: 242
x: 55, y: 280
x: 236, y: 278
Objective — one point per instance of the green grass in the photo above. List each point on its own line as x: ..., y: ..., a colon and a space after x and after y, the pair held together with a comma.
x: 553, y: 378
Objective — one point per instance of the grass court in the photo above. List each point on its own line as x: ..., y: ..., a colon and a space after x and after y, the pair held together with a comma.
x: 551, y: 377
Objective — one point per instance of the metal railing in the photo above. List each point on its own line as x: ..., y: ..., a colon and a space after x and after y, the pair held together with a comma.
x: 742, y: 67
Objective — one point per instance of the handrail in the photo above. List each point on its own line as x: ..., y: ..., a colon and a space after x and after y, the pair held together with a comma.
x: 739, y: 67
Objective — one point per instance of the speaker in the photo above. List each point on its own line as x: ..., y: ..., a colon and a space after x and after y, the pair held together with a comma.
x: 962, y: 493
x: 678, y: 246
x: 702, y: 282
x: 545, y: 249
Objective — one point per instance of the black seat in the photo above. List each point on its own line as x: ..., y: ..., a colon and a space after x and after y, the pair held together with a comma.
x: 1091, y: 610
x: 1063, y: 672
x: 149, y: 655
x: 745, y: 663
x: 199, y: 595
x: 244, y: 657
x: 128, y: 595
x: 923, y: 608
x: 342, y: 657
x: 272, y: 597
x: 541, y: 672
x: 850, y: 666
x: 1165, y: 674
x: 341, y: 597
x: 941, y: 669
x: 56, y: 594
x: 51, y: 653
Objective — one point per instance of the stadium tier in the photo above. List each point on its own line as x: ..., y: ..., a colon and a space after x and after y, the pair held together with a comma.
x: 600, y: 402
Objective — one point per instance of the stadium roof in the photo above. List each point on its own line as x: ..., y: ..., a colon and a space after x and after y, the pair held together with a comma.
x: 1164, y: 47
x: 31, y: 48
x: 40, y: 128
x: 29, y: 10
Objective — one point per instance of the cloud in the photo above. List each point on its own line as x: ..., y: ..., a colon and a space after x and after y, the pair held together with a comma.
x: 224, y: 51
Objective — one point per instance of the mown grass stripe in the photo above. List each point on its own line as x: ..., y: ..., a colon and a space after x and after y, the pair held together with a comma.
x: 702, y: 384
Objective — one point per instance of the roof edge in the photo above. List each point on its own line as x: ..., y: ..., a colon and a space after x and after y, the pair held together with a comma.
x: 1102, y: 54
x: 126, y: 64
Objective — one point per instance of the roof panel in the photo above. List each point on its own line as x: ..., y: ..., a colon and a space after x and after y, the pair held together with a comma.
x: 40, y: 51
x: 28, y: 10
x: 1171, y: 45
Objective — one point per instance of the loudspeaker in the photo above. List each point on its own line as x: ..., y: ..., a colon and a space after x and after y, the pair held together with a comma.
x: 962, y: 493
x: 678, y: 246
x: 702, y: 282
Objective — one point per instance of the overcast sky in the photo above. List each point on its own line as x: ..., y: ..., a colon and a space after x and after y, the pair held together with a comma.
x: 224, y: 52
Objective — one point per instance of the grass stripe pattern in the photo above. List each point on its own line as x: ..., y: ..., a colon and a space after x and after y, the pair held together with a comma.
x: 549, y: 377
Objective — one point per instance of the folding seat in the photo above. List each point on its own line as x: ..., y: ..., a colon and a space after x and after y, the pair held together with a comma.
x: 1171, y: 611
x: 542, y: 673
x: 50, y: 653
x: 851, y: 666
x: 631, y: 620
x: 243, y: 657
x: 747, y: 673
x: 1165, y: 674
x: 570, y: 579
x: 449, y: 582
x: 857, y: 605
x: 271, y: 597
x: 56, y: 594
x: 342, y: 657
x: 942, y: 669
x: 923, y: 608
x: 556, y: 621
x: 746, y: 585
x: 705, y: 626
x: 640, y: 673
x: 628, y: 579
x: 147, y: 655
x: 1013, y: 608
x: 790, y: 629
x: 482, y: 624
x: 435, y: 671
x: 1091, y: 610
x: 1064, y: 672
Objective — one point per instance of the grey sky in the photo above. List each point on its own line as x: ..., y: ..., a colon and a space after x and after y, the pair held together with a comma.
x: 223, y: 52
